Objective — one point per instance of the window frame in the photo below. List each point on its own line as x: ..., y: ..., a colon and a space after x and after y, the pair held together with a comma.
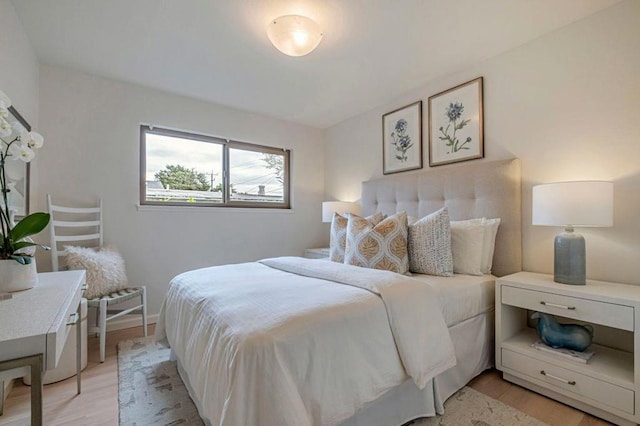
x: 226, y: 144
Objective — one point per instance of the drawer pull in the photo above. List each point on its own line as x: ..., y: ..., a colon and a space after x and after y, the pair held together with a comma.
x: 84, y: 287
x: 73, y: 318
x: 553, y: 305
x: 560, y: 379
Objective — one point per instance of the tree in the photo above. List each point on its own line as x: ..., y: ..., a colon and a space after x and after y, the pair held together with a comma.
x: 275, y: 162
x: 218, y: 188
x: 179, y: 177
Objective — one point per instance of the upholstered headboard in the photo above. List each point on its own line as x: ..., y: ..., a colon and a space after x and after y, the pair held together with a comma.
x: 485, y: 189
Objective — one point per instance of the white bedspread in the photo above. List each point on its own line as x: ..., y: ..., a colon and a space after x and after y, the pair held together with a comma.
x: 293, y: 341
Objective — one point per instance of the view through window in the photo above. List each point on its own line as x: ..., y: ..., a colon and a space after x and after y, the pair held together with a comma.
x: 179, y: 168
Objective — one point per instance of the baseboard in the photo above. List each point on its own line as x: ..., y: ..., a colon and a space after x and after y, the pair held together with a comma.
x: 129, y: 321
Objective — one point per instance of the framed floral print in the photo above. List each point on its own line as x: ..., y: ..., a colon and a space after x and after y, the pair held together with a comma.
x: 455, y: 124
x: 402, y: 139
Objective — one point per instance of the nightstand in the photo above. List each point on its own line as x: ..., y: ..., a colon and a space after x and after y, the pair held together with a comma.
x: 608, y: 386
x: 317, y: 253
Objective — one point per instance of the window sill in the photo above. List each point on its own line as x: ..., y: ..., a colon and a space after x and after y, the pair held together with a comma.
x: 211, y: 209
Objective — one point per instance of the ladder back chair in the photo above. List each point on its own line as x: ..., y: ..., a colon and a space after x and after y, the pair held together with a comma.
x: 83, y: 226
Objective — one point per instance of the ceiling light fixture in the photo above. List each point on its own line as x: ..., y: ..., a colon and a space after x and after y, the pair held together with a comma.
x: 294, y: 35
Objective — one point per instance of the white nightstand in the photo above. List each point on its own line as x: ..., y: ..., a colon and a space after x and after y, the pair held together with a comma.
x: 317, y: 253
x: 607, y: 386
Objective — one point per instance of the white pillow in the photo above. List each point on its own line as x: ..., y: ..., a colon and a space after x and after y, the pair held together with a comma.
x: 489, y: 243
x: 467, y: 241
x: 105, y: 269
x: 430, y: 245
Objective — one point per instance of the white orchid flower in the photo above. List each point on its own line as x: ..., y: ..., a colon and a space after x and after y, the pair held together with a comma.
x: 5, y: 128
x: 18, y: 127
x: 22, y: 152
x: 5, y: 99
x: 33, y: 140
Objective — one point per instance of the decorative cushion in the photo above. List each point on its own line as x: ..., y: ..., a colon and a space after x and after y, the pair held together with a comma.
x: 430, y: 245
x: 467, y: 237
x: 104, y: 266
x: 381, y: 246
x: 338, y: 236
x: 489, y: 243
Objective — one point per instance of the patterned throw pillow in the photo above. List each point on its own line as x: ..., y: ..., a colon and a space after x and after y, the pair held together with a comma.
x: 381, y: 246
x: 430, y: 245
x: 338, y: 236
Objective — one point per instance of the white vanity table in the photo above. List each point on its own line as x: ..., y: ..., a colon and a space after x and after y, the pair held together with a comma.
x: 34, y: 325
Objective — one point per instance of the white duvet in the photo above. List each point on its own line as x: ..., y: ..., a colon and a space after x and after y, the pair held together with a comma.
x: 292, y: 341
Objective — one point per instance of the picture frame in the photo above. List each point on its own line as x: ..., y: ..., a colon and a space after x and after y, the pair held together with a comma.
x: 402, y: 139
x: 456, y: 124
x: 18, y: 174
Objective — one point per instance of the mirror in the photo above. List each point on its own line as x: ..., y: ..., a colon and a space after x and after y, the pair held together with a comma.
x: 17, y: 175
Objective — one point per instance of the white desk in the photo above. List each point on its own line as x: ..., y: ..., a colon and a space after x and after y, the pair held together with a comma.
x: 34, y: 325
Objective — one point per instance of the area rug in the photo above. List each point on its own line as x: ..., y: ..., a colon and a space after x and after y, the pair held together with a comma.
x: 470, y: 407
x: 151, y: 392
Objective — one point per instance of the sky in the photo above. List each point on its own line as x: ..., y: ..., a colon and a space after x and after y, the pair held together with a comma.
x: 247, y: 168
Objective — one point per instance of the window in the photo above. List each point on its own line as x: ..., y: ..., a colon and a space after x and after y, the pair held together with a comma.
x: 186, y: 169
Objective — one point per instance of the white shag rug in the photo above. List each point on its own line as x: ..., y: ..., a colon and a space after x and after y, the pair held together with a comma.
x: 150, y: 392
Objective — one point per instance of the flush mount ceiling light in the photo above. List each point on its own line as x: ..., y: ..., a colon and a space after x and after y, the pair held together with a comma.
x: 294, y: 35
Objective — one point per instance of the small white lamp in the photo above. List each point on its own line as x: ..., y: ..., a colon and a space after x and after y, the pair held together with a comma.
x: 340, y: 207
x: 569, y: 204
x: 294, y: 35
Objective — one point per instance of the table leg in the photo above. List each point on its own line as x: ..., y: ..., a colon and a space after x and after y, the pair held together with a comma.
x: 79, y: 348
x: 36, y: 364
x: 36, y: 390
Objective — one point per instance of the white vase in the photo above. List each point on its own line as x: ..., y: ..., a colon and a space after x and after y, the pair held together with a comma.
x: 16, y: 277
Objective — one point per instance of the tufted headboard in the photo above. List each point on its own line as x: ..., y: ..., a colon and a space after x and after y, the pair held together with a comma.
x: 485, y: 189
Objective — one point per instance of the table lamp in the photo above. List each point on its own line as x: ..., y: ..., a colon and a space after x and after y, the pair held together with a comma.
x: 340, y: 207
x: 572, y: 204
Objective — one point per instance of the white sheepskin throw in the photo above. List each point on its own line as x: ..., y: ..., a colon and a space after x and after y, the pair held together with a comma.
x: 104, y: 266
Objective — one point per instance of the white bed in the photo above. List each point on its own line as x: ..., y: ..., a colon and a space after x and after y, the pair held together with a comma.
x: 337, y: 346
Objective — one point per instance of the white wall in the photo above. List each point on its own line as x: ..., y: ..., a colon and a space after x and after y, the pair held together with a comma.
x: 18, y: 64
x: 566, y: 104
x: 91, y: 130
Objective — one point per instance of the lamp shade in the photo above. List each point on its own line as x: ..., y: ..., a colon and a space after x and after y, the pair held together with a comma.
x: 340, y: 207
x: 582, y: 203
x: 294, y: 35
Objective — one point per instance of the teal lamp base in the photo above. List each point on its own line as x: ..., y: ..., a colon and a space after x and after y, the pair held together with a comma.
x: 569, y: 258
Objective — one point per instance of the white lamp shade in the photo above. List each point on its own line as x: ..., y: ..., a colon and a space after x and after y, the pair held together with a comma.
x: 583, y: 203
x: 294, y: 35
x: 340, y: 207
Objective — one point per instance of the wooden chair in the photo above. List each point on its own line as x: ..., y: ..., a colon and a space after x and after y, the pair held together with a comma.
x: 72, y: 226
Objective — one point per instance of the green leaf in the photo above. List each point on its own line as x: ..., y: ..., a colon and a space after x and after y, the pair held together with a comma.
x: 462, y: 124
x: 22, y: 244
x: 23, y: 260
x: 29, y: 225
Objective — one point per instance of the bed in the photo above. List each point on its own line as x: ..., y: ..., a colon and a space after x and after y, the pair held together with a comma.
x: 292, y: 341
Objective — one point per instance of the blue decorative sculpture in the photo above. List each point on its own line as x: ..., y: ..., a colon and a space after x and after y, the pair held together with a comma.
x: 571, y: 336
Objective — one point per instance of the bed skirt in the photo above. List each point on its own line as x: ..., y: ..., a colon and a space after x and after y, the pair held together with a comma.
x: 473, y: 340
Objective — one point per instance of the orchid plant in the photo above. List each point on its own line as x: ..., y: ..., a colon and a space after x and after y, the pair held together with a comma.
x: 17, y: 144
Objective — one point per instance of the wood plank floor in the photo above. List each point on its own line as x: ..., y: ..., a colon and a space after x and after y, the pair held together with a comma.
x: 98, y: 403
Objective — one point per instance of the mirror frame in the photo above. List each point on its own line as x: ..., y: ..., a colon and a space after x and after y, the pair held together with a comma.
x: 27, y: 170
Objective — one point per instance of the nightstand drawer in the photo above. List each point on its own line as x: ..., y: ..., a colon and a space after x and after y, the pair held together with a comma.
x: 598, y: 391
x: 609, y: 314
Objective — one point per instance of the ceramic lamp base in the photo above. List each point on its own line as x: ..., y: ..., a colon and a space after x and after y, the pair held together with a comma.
x: 569, y: 258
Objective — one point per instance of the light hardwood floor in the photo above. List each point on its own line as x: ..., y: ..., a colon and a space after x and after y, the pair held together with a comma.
x: 98, y: 403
